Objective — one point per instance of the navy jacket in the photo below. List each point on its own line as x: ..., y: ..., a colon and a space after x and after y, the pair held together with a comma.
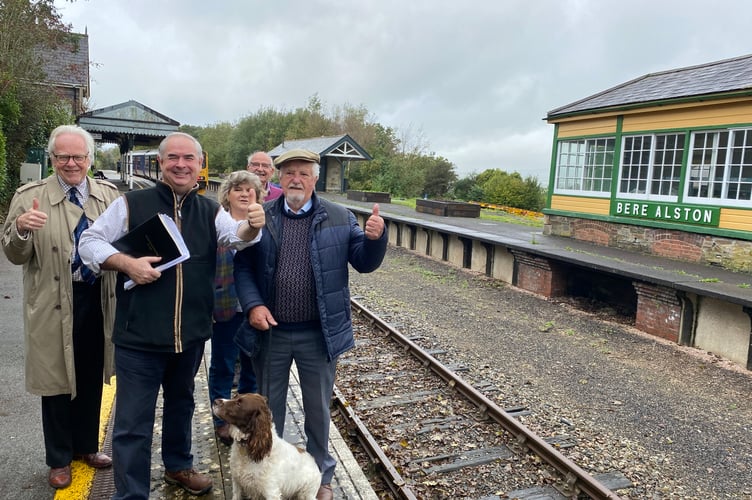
x: 336, y: 241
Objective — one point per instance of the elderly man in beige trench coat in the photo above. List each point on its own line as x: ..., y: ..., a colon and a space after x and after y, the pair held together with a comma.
x: 68, y: 312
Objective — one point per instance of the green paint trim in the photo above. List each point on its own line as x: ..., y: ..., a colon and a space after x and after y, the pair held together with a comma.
x: 552, y: 166
x: 687, y: 228
x: 702, y: 215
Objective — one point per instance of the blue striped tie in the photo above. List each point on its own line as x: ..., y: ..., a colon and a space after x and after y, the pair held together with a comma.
x: 86, y: 274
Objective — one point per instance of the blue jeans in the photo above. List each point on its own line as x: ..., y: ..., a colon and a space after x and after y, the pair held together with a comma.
x: 305, y: 347
x: 224, y: 354
x: 140, y: 374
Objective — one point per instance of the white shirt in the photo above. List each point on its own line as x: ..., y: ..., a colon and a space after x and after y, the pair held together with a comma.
x: 95, y: 246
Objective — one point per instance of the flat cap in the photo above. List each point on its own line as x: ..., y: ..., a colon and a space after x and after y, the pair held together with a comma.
x: 296, y: 154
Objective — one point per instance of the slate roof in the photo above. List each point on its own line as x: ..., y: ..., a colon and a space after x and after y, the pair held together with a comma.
x: 341, y: 146
x: 130, y: 117
x: 67, y: 65
x: 129, y: 124
x: 719, y: 77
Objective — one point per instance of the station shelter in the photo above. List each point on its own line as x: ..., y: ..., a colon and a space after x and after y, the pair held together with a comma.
x: 661, y: 164
x: 336, y: 154
x: 128, y: 124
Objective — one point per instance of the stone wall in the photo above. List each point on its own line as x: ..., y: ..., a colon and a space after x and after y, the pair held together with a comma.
x: 732, y: 254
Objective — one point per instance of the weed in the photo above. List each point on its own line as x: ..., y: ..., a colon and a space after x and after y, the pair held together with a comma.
x: 547, y: 326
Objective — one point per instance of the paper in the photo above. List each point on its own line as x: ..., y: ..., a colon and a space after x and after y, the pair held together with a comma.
x: 158, y: 236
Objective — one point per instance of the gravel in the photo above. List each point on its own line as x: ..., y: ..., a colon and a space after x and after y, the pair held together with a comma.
x: 675, y: 420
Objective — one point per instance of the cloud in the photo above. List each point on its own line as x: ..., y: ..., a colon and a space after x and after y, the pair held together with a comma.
x: 476, y: 77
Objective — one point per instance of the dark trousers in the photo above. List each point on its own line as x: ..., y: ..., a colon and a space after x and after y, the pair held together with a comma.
x: 71, y: 426
x: 307, y: 349
x: 140, y: 374
x: 224, y: 354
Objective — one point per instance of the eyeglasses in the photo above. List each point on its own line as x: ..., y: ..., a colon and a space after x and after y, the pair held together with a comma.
x: 258, y: 164
x: 64, y: 159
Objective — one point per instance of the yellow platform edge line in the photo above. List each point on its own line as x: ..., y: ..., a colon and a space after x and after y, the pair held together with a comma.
x: 83, y: 475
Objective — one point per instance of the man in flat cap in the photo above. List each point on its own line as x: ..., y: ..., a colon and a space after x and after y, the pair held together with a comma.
x: 295, y: 281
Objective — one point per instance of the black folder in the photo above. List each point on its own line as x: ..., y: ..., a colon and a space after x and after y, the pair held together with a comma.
x: 159, y: 237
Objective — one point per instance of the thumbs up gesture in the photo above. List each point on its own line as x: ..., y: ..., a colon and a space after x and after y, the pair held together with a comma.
x: 31, y: 220
x: 375, y: 224
x: 256, y: 216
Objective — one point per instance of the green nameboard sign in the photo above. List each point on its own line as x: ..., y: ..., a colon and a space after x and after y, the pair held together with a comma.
x: 667, y: 212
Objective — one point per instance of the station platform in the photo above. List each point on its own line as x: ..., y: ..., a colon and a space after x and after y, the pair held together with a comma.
x: 22, y: 461
x: 212, y: 456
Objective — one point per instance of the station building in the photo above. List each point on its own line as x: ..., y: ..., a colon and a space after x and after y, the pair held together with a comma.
x: 336, y: 153
x: 661, y: 164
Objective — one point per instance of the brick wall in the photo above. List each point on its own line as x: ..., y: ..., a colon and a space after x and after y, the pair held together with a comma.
x: 539, y: 275
x: 732, y: 254
x: 658, y: 311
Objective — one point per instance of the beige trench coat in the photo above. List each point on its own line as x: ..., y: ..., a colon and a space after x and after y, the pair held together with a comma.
x: 47, y: 283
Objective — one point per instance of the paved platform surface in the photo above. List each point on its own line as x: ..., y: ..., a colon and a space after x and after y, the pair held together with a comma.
x: 23, y: 473
x: 212, y: 456
x: 706, y: 280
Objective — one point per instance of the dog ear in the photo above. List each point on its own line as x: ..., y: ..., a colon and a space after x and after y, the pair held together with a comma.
x: 258, y: 428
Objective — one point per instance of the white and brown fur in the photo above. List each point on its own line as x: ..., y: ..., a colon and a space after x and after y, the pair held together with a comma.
x: 262, y: 464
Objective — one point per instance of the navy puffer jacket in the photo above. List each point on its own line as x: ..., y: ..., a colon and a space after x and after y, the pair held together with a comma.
x: 336, y: 241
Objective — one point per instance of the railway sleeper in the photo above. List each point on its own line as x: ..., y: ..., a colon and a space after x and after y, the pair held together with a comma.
x: 470, y: 458
x: 396, y: 400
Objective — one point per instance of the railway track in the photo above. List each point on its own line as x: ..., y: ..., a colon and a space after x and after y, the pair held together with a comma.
x: 425, y: 432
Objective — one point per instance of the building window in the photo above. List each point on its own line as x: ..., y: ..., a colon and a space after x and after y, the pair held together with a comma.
x: 721, y: 167
x: 651, y: 166
x: 585, y: 165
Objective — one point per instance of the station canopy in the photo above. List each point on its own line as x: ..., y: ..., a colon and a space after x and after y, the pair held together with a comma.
x: 128, y: 124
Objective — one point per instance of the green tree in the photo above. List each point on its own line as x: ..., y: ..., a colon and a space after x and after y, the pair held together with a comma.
x: 215, y: 141
x: 467, y: 189
x: 311, y: 121
x: 401, y: 176
x: 107, y: 158
x: 381, y: 146
x: 502, y: 188
x: 28, y: 112
x: 260, y: 131
x: 439, y: 176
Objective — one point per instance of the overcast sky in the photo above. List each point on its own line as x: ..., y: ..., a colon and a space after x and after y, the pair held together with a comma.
x: 474, y: 79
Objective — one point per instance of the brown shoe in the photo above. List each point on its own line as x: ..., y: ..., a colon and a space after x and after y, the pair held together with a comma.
x: 325, y: 492
x: 59, y: 477
x: 223, y: 433
x: 97, y: 460
x: 190, y: 480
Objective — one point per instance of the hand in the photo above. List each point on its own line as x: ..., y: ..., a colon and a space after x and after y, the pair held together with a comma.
x: 31, y: 220
x: 141, y: 271
x: 256, y: 215
x: 260, y: 318
x: 375, y: 224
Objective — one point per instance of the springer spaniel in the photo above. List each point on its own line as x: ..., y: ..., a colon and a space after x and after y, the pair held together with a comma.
x: 264, y: 465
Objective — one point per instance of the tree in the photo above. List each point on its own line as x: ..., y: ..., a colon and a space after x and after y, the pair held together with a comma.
x: 502, y: 188
x: 467, y: 189
x: 214, y: 140
x: 439, y: 174
x: 382, y: 146
x: 107, y: 158
x: 311, y: 121
x: 28, y: 112
x: 260, y: 131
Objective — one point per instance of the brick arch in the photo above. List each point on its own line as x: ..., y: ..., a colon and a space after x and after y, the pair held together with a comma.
x: 595, y: 232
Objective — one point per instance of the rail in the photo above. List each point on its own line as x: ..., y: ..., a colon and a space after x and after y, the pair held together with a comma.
x: 577, y: 480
